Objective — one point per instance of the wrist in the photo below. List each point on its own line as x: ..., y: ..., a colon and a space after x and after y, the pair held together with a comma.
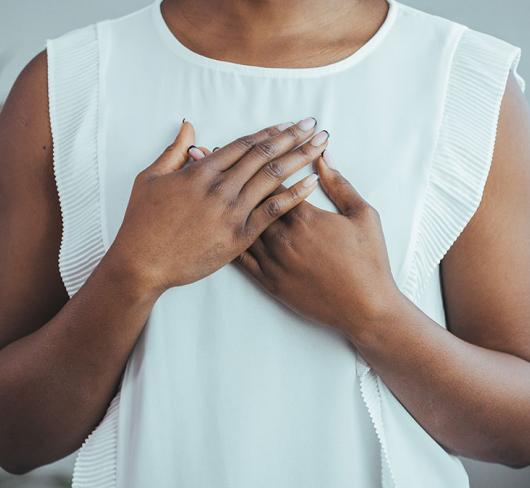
x: 125, y: 274
x: 368, y: 325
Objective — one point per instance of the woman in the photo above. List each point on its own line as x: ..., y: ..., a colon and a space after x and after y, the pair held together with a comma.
x: 234, y: 319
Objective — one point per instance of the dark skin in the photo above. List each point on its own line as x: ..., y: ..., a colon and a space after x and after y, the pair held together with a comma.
x: 476, y: 374
x: 305, y: 32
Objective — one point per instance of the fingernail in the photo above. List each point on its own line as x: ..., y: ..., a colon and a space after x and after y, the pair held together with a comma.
x: 320, y: 138
x: 195, y: 152
x: 328, y: 159
x: 307, y: 124
x: 184, y: 120
x: 310, y: 180
x: 284, y: 126
x: 215, y: 148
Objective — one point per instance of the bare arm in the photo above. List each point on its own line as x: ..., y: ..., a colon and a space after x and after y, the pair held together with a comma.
x: 469, y: 387
x: 60, y: 360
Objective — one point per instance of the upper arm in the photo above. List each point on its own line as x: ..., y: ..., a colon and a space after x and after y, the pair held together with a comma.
x: 31, y: 290
x: 486, y: 273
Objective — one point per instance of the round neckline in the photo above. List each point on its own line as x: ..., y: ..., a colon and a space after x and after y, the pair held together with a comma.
x: 220, y: 65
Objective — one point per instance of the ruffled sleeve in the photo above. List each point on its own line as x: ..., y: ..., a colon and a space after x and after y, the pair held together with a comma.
x: 73, y: 107
x: 464, y: 150
x: 73, y: 92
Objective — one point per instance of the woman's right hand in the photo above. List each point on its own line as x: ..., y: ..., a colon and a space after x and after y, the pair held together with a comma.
x: 185, y: 221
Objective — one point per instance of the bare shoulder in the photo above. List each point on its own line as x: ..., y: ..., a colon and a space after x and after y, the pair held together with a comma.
x: 25, y: 113
x: 30, y: 220
x: 485, y: 274
x: 507, y: 191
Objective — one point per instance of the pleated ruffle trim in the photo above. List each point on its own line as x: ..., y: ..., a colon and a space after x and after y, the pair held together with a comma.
x: 73, y: 105
x: 73, y: 88
x: 464, y: 151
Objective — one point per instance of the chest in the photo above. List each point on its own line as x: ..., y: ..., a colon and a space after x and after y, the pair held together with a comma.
x: 374, y: 140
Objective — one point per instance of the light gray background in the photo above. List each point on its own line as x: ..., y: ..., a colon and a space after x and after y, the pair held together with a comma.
x: 25, y: 24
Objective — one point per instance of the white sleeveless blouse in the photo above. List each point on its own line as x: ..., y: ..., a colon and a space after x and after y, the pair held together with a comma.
x: 226, y: 388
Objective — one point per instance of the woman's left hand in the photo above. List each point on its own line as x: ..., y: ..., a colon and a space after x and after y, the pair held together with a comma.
x: 328, y: 267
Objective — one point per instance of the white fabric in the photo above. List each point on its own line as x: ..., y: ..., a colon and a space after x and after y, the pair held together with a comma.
x: 226, y: 387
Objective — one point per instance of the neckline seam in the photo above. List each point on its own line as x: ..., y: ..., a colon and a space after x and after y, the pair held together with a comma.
x: 219, y: 65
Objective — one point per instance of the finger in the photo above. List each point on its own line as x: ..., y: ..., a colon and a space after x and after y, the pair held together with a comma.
x: 227, y: 155
x: 191, y: 160
x: 272, y: 174
x: 270, y: 149
x: 339, y: 190
x: 196, y: 153
x: 249, y: 264
x: 277, y: 205
x: 175, y: 155
x: 305, y: 205
x: 258, y: 250
x: 281, y: 189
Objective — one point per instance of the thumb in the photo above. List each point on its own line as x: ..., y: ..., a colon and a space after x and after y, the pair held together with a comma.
x: 176, y: 154
x: 339, y: 190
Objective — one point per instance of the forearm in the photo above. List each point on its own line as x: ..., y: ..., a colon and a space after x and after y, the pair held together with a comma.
x: 56, y: 383
x: 472, y: 400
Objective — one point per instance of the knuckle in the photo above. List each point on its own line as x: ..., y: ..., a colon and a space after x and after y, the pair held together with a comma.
x: 337, y: 178
x: 282, y: 239
x: 246, y: 142
x: 141, y: 177
x: 362, y: 210
x: 292, y: 131
x: 274, y: 286
x: 215, y: 187
x: 272, y: 207
x: 244, y: 233
x: 341, y: 183
x: 306, y: 151
x: 295, y: 193
x: 266, y: 149
x: 271, y: 131
x: 234, y: 212
x: 273, y: 170
x: 299, y: 216
x: 371, y: 213
x: 233, y: 205
x: 171, y: 147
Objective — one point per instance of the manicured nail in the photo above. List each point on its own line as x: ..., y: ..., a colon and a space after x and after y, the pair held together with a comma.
x: 307, y: 124
x: 195, y: 152
x: 284, y: 126
x: 215, y: 148
x: 320, y: 138
x: 328, y: 159
x: 310, y: 180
